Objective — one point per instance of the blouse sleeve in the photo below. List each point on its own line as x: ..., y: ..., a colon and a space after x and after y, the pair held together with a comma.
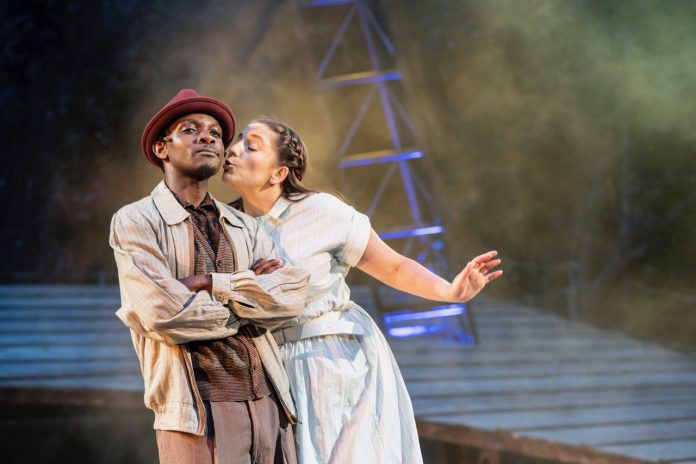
x: 355, y: 229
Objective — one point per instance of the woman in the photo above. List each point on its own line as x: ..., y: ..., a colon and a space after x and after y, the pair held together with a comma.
x: 351, y: 399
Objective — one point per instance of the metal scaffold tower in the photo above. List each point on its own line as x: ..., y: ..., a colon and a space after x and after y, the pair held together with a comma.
x: 378, y: 153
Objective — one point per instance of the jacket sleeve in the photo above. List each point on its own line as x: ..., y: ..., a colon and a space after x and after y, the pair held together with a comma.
x: 154, y: 303
x: 268, y: 300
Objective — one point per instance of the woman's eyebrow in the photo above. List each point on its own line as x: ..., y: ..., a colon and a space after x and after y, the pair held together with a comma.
x: 256, y: 137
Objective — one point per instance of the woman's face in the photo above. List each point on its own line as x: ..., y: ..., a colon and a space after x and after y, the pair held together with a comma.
x: 253, y: 162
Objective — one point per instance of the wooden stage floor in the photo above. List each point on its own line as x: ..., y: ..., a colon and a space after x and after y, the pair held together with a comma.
x: 537, y: 384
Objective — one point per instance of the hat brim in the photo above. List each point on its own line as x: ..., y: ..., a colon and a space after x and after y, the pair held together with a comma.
x: 165, y: 117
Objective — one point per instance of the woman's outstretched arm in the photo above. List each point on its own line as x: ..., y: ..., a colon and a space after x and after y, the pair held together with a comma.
x: 389, y: 267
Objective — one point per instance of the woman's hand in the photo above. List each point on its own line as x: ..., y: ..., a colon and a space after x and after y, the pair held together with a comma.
x: 474, y: 277
x: 389, y: 267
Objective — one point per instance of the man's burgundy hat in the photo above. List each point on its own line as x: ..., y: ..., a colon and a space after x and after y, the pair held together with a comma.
x: 187, y: 101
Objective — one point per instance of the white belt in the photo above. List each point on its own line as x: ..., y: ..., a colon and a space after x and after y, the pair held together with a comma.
x: 326, y: 324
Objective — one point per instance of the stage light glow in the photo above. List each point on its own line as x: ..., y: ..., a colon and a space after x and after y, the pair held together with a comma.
x: 412, y: 232
x: 413, y: 331
x: 439, y: 320
x: 439, y: 311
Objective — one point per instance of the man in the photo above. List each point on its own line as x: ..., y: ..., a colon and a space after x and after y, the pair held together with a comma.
x: 215, y: 381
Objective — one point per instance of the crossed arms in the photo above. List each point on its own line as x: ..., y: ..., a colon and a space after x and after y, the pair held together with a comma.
x: 157, y: 305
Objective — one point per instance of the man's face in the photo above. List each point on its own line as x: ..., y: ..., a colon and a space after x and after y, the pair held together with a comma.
x: 193, y: 147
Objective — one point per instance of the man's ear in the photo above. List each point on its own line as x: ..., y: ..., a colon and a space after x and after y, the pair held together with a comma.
x: 279, y: 175
x: 160, y: 149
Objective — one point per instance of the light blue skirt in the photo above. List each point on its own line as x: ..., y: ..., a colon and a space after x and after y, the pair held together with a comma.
x: 350, y: 398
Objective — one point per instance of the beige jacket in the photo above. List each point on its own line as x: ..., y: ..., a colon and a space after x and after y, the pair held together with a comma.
x: 153, y: 245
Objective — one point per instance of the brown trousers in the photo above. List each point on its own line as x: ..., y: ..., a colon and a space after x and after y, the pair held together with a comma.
x: 239, y: 432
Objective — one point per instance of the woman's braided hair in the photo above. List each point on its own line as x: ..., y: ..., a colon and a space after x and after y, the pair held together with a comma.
x: 292, y: 153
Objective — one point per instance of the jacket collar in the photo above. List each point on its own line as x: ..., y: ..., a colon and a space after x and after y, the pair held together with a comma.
x: 173, y: 213
x: 227, y: 213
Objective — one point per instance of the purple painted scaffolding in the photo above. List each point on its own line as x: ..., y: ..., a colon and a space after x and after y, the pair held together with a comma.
x: 420, y: 234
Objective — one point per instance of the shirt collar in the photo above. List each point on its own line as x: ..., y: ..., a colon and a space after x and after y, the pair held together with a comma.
x: 206, y: 203
x: 173, y: 212
x: 275, y: 213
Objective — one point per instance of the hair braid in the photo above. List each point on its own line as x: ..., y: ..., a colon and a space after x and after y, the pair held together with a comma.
x: 292, y: 153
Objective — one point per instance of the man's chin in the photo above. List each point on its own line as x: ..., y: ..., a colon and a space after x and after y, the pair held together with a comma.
x: 205, y: 172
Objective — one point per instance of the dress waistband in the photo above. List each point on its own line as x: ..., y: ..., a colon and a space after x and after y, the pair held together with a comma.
x: 326, y: 324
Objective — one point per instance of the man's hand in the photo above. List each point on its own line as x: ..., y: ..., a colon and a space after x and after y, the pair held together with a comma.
x: 266, y: 266
x: 196, y: 283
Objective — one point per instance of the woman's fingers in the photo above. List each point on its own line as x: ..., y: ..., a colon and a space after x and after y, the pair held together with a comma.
x: 480, y: 259
x: 492, y: 276
x: 486, y: 267
x: 479, y: 269
x: 486, y: 262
